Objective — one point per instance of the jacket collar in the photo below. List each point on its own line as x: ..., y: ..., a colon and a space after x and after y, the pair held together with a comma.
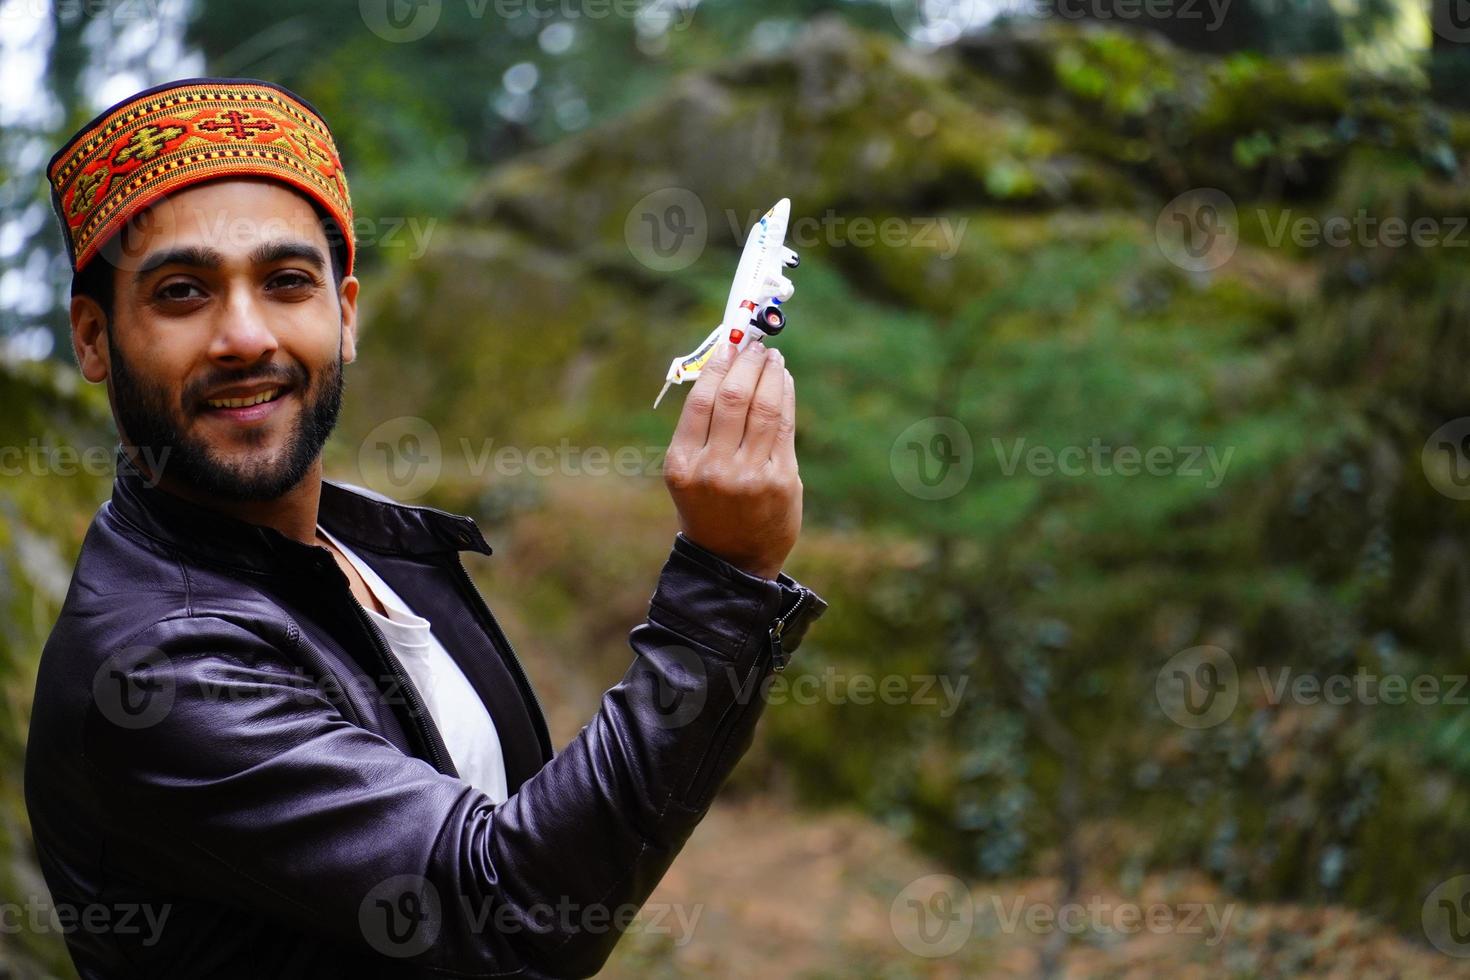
x: 354, y: 514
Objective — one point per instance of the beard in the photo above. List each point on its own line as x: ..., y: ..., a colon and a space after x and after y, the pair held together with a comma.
x: 153, y: 421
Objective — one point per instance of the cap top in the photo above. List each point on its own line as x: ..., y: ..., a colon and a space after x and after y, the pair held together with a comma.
x: 169, y: 137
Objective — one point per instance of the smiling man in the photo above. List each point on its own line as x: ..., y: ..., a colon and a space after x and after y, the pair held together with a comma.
x: 277, y: 732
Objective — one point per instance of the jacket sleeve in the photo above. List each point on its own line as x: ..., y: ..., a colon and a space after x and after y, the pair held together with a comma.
x: 243, y: 781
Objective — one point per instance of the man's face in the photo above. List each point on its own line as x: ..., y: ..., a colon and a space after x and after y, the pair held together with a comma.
x: 223, y: 297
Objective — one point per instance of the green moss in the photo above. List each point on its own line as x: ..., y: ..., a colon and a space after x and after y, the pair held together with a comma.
x: 58, y: 452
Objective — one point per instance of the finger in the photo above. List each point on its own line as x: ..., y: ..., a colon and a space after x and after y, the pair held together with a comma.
x: 763, y: 421
x: 693, y: 428
x: 732, y: 401
x: 784, y: 454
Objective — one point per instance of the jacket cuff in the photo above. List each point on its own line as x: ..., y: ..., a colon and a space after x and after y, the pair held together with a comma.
x: 702, y: 596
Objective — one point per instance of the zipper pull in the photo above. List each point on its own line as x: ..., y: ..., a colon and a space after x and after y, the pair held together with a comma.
x: 779, y: 657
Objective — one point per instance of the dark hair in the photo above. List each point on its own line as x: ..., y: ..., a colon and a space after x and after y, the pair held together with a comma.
x: 97, y: 281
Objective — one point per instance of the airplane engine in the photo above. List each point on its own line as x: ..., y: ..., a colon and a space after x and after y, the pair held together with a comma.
x: 789, y: 258
x: 770, y: 320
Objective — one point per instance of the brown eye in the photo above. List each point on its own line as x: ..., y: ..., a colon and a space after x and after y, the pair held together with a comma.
x: 177, y: 292
x: 291, y: 280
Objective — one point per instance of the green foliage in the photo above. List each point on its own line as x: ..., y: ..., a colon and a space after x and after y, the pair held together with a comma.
x: 1290, y: 391
x: 53, y: 437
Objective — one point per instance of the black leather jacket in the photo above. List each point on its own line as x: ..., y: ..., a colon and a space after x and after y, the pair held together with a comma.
x: 229, y: 774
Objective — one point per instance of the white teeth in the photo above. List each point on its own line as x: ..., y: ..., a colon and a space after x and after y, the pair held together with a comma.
x: 256, y: 399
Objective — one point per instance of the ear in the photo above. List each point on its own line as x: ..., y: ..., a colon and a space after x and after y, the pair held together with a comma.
x: 88, y: 338
x: 347, y: 296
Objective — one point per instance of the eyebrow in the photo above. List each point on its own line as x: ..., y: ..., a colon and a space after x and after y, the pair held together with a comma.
x: 191, y: 255
x: 202, y: 257
x: 277, y: 251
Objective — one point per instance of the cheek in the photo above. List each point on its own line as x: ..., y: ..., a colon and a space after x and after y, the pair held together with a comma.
x: 321, y: 351
x: 160, y: 361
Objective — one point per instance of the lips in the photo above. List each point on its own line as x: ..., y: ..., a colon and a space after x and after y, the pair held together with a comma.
x: 250, y: 407
x: 245, y: 401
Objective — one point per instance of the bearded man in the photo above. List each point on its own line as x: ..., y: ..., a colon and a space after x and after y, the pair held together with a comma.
x: 277, y: 732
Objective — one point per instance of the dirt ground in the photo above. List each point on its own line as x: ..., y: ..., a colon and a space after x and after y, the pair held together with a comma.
x: 763, y: 891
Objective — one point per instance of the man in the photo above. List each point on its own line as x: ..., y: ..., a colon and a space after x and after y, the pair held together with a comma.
x: 276, y: 730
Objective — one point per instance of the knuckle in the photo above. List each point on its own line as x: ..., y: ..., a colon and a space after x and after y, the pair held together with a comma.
x: 765, y: 414
x: 701, y: 402
x: 733, y: 396
x: 676, y: 476
x: 754, y: 484
x: 682, y: 472
x: 713, y: 475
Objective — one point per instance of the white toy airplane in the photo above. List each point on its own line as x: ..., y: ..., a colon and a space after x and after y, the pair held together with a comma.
x: 754, y: 307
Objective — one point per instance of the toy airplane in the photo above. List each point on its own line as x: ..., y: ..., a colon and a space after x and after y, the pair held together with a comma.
x: 754, y: 307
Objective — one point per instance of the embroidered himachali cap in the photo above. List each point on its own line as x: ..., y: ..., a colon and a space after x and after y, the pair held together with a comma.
x: 186, y: 132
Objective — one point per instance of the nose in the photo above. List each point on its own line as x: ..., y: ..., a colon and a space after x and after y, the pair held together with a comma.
x: 242, y: 334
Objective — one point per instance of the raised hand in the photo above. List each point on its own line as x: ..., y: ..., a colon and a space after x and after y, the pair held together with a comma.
x: 731, y: 465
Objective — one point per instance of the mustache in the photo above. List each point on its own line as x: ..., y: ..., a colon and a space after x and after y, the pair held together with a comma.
x: 195, y: 393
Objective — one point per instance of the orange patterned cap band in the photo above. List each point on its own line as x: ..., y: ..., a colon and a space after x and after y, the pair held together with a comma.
x: 184, y: 133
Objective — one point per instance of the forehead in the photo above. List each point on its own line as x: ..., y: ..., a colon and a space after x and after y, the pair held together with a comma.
x: 231, y: 217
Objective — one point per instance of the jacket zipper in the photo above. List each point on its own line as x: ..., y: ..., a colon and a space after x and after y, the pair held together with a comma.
x: 425, y: 722
x: 779, y: 657
x: 510, y: 659
x: 778, y: 660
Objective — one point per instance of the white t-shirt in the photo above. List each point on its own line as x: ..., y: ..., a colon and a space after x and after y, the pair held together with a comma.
x: 464, y: 722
